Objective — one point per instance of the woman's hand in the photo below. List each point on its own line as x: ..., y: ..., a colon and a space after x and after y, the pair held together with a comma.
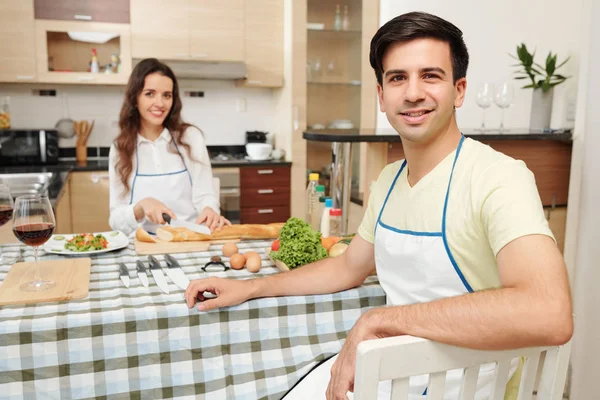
x: 212, y: 219
x: 153, y: 210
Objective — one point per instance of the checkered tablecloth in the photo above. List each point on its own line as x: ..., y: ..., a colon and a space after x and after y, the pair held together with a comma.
x: 140, y: 343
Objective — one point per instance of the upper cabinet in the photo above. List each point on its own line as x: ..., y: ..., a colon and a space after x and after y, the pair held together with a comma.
x: 116, y: 11
x: 209, y: 30
x: 263, y: 41
x: 17, y: 41
x: 65, y: 49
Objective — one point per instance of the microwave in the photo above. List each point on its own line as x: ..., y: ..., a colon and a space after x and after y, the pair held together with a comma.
x: 28, y: 146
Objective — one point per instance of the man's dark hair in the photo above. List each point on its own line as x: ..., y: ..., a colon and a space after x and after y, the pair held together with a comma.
x: 419, y: 25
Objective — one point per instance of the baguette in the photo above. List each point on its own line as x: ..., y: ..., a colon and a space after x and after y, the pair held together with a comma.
x: 169, y: 234
x: 245, y: 231
x: 142, y: 236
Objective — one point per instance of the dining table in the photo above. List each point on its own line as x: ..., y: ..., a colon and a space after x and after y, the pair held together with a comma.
x: 141, y: 343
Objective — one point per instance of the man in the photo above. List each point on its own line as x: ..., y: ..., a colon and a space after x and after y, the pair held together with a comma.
x: 456, y: 231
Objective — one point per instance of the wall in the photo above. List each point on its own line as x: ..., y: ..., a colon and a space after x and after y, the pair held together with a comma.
x: 215, y: 113
x: 492, y: 30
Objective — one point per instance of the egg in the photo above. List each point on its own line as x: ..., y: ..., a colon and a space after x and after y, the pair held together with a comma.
x: 250, y: 253
x: 237, y: 261
x: 254, y: 262
x: 229, y: 249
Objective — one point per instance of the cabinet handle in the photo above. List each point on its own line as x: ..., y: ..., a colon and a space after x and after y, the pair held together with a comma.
x: 254, y: 82
x: 265, y: 171
x: 96, y: 178
x: 82, y: 17
x: 266, y: 211
x: 86, y: 78
x: 265, y: 191
x: 24, y: 77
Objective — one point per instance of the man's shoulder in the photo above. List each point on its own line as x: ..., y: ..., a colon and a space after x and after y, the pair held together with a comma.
x: 484, y: 162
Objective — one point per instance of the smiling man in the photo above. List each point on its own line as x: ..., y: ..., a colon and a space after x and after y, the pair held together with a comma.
x: 456, y: 230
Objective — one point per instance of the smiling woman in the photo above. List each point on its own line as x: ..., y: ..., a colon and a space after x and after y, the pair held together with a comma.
x: 158, y: 163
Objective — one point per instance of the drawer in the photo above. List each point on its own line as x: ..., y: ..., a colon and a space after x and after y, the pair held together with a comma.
x: 258, y: 177
x: 265, y: 196
x: 265, y: 215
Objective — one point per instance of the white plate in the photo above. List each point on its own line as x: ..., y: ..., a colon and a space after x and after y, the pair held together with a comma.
x: 115, y: 242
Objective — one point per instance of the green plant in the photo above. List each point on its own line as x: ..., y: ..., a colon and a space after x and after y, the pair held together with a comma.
x: 531, y: 70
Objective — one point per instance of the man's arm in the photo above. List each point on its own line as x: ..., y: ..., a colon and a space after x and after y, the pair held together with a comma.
x: 533, y: 307
x: 326, y: 276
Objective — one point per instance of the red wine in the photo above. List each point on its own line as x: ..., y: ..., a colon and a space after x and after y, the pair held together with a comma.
x: 34, y: 234
x: 5, y: 214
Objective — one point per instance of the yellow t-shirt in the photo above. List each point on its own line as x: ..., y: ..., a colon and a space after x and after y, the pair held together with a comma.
x: 493, y: 200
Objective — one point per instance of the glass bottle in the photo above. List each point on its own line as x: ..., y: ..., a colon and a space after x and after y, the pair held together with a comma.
x: 345, y: 20
x: 335, y: 222
x: 312, y: 201
x: 337, y: 21
x: 5, y: 112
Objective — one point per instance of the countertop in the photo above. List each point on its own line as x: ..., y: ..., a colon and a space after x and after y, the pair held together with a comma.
x: 368, y: 135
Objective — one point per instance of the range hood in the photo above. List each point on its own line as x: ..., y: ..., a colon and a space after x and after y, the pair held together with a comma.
x: 206, y: 69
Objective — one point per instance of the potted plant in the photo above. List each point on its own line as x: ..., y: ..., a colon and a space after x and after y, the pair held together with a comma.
x: 543, y: 79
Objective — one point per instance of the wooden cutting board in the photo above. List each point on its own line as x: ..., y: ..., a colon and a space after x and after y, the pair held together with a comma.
x: 146, y: 248
x: 72, y: 277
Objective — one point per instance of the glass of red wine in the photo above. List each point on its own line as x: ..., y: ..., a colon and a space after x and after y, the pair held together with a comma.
x: 33, y: 224
x: 6, y: 212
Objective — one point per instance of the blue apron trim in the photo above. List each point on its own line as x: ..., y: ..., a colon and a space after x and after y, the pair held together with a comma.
x: 182, y: 160
x: 444, y: 237
x: 412, y: 233
x: 169, y: 173
x: 388, y: 195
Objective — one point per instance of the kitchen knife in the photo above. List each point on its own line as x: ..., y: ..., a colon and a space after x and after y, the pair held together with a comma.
x: 176, y: 273
x: 124, y: 274
x: 158, y: 275
x: 141, y: 272
x: 184, y: 224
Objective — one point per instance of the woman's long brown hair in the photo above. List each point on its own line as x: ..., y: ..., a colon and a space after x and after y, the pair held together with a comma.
x: 129, y: 119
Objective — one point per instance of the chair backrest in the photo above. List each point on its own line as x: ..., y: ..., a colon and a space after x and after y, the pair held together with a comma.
x: 217, y: 187
x: 377, y: 360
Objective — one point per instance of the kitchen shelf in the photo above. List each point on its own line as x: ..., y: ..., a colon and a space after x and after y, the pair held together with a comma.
x: 349, y: 32
x: 344, y: 83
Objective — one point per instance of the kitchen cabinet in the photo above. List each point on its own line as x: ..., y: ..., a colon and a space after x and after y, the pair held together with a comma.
x: 209, y: 30
x: 263, y: 43
x: 83, y: 10
x: 62, y: 209
x: 62, y: 58
x: 557, y: 219
x: 265, y: 194
x: 90, y: 207
x: 17, y: 41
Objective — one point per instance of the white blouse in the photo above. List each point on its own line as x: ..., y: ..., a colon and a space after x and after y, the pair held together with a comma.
x: 156, y: 158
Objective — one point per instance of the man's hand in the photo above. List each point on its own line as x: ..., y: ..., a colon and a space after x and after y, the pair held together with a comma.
x: 342, y: 371
x: 229, y: 292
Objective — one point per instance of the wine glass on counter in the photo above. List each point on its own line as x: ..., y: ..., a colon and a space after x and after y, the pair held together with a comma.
x: 6, y: 213
x: 33, y: 224
x: 503, y: 99
x: 484, y: 99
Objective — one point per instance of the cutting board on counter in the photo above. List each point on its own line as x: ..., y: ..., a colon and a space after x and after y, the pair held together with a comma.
x: 146, y: 248
x: 72, y: 277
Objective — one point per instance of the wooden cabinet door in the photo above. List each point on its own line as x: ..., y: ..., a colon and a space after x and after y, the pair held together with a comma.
x: 116, y: 11
x: 17, y: 41
x: 263, y: 40
x: 90, y: 201
x: 160, y: 29
x: 62, y: 210
x: 216, y: 30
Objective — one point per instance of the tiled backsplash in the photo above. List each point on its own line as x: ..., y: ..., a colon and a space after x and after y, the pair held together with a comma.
x: 216, y: 113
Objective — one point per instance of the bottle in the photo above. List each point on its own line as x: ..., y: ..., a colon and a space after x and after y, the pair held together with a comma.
x: 94, y: 67
x: 337, y: 21
x: 5, y: 112
x: 345, y: 20
x: 335, y: 222
x: 311, y: 198
x: 316, y: 216
x: 325, y: 217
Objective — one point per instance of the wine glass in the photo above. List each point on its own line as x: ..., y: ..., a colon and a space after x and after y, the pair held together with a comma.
x: 503, y: 99
x: 484, y: 99
x: 6, y: 212
x: 33, y: 224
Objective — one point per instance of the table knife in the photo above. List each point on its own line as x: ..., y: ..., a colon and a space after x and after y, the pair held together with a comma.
x: 141, y: 272
x: 124, y: 274
x: 158, y: 275
x: 175, y: 272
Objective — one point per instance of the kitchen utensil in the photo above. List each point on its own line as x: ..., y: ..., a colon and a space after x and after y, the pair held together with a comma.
x: 184, y: 224
x: 65, y: 125
x: 175, y: 272
x: 259, y: 151
x: 141, y: 272
x: 158, y: 275
x: 124, y: 274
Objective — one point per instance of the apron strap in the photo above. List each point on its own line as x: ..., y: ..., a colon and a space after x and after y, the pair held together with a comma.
x: 182, y: 159
x: 388, y: 195
x: 137, y: 165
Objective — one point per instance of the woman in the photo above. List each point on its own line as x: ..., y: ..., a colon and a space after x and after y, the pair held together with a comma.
x: 158, y: 164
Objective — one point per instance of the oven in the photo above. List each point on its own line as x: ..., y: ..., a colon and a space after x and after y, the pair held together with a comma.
x: 229, y: 193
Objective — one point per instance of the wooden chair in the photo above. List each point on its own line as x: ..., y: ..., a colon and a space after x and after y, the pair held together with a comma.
x: 377, y: 360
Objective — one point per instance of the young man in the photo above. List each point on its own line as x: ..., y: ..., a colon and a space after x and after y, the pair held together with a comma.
x: 456, y: 231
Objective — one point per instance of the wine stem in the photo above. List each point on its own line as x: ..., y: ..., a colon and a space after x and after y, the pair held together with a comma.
x: 37, y: 264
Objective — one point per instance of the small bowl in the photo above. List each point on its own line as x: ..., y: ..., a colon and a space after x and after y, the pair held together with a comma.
x: 259, y: 151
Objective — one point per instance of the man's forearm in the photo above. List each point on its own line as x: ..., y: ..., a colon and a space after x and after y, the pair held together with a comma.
x: 492, y: 319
